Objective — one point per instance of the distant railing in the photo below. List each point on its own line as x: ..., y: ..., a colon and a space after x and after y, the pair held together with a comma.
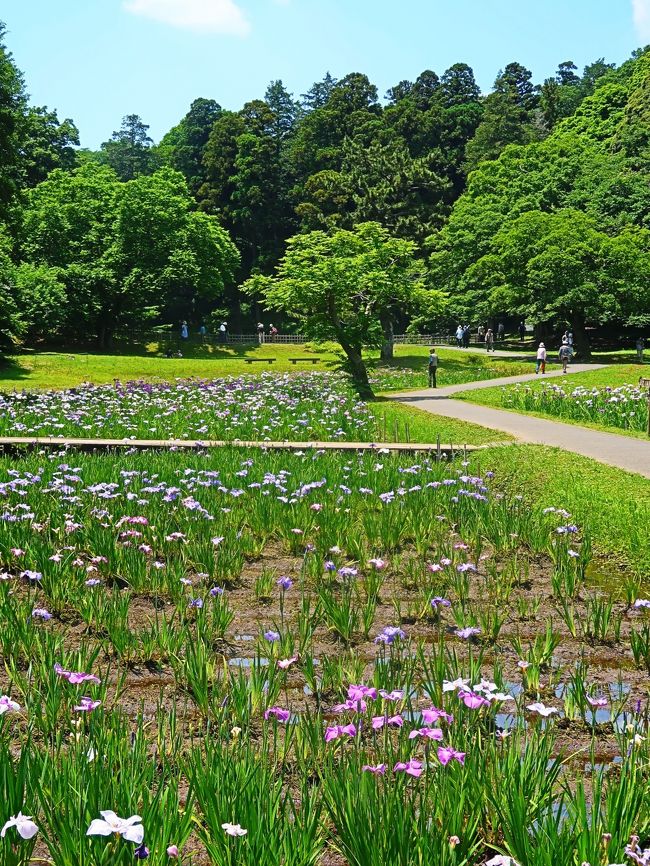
x: 169, y: 337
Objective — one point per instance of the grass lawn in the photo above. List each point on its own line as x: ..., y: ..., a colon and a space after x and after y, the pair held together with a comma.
x: 409, y: 370
x: 613, y: 503
x: 614, y: 377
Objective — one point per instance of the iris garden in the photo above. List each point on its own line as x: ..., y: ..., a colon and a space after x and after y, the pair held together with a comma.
x: 240, y: 656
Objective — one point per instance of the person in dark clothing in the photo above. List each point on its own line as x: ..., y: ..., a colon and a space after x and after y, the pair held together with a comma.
x: 433, y: 368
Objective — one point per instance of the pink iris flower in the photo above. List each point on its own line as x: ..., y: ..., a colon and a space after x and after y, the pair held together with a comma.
x: 378, y: 722
x: 280, y: 714
x: 411, y: 768
x: 74, y: 677
x: 447, y: 754
x: 473, y: 701
x: 336, y: 731
x: 357, y: 693
x: 427, y: 733
x: 377, y: 769
x: 432, y: 715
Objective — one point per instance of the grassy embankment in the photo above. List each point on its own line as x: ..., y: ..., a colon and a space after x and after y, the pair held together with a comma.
x: 613, y: 377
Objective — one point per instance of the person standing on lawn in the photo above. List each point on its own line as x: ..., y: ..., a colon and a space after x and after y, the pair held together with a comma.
x: 433, y: 368
x: 565, y: 355
x: 541, y: 359
x: 501, y: 331
x: 459, y: 336
x: 489, y: 340
x: 640, y: 346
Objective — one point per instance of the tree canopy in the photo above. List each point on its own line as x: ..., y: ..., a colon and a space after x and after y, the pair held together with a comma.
x: 124, y: 250
x: 557, y: 231
x: 529, y: 200
x: 345, y: 286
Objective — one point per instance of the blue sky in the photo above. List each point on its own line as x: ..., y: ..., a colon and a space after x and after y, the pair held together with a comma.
x: 97, y: 60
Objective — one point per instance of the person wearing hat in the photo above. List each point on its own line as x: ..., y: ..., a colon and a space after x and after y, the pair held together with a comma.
x: 223, y: 327
x: 541, y: 359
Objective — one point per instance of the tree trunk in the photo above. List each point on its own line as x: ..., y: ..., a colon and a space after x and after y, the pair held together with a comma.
x: 387, y: 353
x: 106, y: 329
x: 355, y: 364
x: 581, y: 344
x: 357, y: 369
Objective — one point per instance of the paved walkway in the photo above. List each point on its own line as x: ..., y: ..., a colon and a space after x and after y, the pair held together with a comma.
x: 621, y: 451
x: 524, y: 353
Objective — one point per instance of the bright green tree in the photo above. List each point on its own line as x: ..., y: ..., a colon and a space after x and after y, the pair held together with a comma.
x: 589, y: 178
x: 560, y: 268
x: 48, y: 144
x: 345, y: 286
x: 124, y: 248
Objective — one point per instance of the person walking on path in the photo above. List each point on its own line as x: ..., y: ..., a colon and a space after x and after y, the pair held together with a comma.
x: 522, y: 331
x: 489, y: 340
x: 466, y: 335
x: 541, y: 359
x: 481, y: 334
x: 640, y: 346
x: 459, y: 336
x: 433, y: 368
x: 260, y: 333
x: 184, y: 331
x: 565, y: 356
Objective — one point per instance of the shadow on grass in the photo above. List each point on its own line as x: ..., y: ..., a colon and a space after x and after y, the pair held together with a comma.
x: 452, y: 362
x: 12, y: 370
x: 190, y: 351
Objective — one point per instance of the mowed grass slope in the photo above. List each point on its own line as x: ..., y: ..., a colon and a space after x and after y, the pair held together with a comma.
x: 612, y: 503
x: 409, y: 368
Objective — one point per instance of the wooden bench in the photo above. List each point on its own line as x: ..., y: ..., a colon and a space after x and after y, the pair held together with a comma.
x: 260, y: 360
x: 294, y: 361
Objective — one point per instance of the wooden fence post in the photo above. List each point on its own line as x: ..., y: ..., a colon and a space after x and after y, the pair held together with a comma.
x: 645, y: 383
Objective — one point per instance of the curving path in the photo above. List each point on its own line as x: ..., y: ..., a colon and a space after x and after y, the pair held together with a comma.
x: 610, y: 448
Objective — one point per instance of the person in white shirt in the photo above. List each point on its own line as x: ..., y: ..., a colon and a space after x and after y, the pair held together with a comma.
x: 541, y: 359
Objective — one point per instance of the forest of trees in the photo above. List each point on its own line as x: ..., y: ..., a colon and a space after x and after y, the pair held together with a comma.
x: 531, y: 201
